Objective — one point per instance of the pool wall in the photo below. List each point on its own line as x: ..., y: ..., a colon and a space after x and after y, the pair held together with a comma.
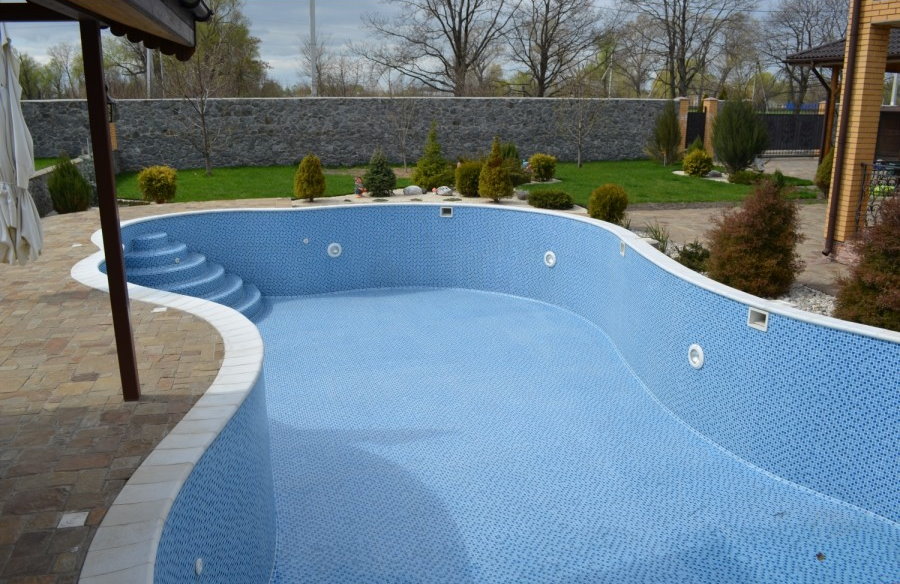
x: 811, y: 400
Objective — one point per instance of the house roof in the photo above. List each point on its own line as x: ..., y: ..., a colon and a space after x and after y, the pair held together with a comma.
x: 167, y: 25
x: 832, y: 54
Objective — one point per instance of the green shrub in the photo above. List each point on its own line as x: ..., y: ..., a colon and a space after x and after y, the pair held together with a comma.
x: 739, y: 136
x: 693, y: 255
x: 543, y: 166
x: 744, y: 177
x: 309, y: 180
x: 69, y: 191
x: 697, y: 144
x: 754, y: 248
x: 871, y: 295
x: 493, y: 181
x: 608, y: 203
x: 158, y: 183
x: 517, y: 174
x: 509, y: 150
x: 658, y: 233
x: 379, y: 179
x: 697, y: 163
x: 550, y: 199
x: 432, y: 170
x: 665, y: 142
x: 467, y: 174
x: 823, y: 173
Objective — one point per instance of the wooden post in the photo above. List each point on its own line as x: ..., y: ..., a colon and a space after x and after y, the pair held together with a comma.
x: 828, y: 129
x: 95, y: 87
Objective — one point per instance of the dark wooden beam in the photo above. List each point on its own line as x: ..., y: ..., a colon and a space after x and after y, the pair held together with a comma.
x: 22, y: 12
x: 95, y: 86
x: 828, y: 127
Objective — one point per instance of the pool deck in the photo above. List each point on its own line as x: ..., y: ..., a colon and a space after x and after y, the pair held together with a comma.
x: 67, y: 441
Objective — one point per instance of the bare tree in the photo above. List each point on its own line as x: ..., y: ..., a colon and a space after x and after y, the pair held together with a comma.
x: 314, y: 62
x: 797, y: 25
x: 226, y: 63
x: 684, y: 34
x: 551, y: 39
x: 438, y: 42
x: 402, y: 114
x: 66, y: 70
x: 577, y: 116
x: 733, y: 70
x: 636, y: 60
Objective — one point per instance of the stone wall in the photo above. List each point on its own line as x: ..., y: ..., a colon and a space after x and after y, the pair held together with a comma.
x: 258, y: 132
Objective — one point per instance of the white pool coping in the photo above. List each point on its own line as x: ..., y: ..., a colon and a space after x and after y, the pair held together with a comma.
x: 123, y: 550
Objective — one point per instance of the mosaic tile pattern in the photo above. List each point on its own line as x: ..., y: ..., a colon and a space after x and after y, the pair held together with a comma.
x: 225, y: 512
x: 424, y: 435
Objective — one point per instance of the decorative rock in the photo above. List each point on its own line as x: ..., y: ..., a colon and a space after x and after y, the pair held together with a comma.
x: 713, y: 174
x: 444, y: 191
x: 412, y: 191
x: 521, y: 194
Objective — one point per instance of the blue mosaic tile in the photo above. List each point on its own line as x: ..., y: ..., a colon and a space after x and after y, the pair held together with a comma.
x: 225, y: 513
x: 414, y: 441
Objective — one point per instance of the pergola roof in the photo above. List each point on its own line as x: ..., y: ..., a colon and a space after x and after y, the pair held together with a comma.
x: 832, y: 54
x: 167, y: 25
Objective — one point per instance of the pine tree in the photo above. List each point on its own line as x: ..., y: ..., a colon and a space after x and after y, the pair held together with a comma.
x: 379, y: 179
x: 309, y: 180
x: 665, y: 143
x: 432, y: 170
x: 739, y: 136
x: 494, y: 182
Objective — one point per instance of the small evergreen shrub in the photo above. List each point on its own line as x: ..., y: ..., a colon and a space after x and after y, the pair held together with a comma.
x: 69, y: 191
x: 432, y: 170
x: 550, y: 199
x: 693, y: 255
x: 309, y: 180
x: 697, y: 163
x: 823, y: 173
x: 467, y: 174
x: 744, y: 177
x: 379, y: 179
x: 608, y: 203
x: 754, y: 248
x: 665, y: 142
x: 871, y: 295
x: 543, y: 166
x: 158, y: 183
x: 739, y: 136
x: 493, y: 181
x: 517, y: 174
x: 509, y: 150
x: 697, y: 144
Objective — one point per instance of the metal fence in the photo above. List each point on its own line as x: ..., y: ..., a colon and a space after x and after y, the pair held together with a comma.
x: 793, y: 132
x: 880, y: 184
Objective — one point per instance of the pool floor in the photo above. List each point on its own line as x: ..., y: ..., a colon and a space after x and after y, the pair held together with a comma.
x: 442, y: 435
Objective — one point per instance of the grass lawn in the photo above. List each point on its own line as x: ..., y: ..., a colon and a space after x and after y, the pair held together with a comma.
x: 245, y: 182
x: 40, y: 163
x: 646, y: 181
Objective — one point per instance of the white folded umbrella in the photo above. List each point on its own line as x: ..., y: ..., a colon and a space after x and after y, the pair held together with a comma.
x: 19, y: 218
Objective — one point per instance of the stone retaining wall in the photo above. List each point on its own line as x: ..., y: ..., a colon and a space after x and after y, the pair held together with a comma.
x: 344, y: 131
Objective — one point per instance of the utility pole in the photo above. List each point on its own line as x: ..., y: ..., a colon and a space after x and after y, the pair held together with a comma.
x: 149, y: 67
x: 315, y: 48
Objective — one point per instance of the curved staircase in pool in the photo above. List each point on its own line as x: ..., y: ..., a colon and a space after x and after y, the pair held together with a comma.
x: 155, y: 261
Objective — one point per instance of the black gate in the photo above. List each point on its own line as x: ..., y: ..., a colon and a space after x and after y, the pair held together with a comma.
x: 696, y: 127
x: 793, y: 134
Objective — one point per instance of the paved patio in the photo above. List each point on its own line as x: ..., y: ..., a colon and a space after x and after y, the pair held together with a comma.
x: 67, y: 441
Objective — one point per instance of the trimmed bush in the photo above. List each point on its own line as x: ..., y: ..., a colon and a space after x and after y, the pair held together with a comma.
x: 543, y: 166
x: 823, y: 173
x: 309, y: 180
x: 467, y: 174
x: 745, y: 177
x: 665, y: 141
x: 754, y: 248
x: 69, y: 191
x: 739, y: 136
x: 871, y: 295
x: 493, y: 181
x: 380, y: 179
x: 697, y: 163
x: 158, y: 183
x: 693, y: 255
x: 432, y: 170
x: 550, y: 199
x: 608, y: 203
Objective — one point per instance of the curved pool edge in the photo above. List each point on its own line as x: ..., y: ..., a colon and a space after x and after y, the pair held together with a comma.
x: 124, y: 547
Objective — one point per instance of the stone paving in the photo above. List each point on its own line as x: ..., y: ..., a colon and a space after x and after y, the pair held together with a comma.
x: 68, y: 443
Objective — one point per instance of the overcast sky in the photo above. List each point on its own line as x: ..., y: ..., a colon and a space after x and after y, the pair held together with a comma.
x: 281, y: 25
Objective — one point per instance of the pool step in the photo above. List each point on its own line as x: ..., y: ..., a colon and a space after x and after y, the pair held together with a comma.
x: 155, y: 261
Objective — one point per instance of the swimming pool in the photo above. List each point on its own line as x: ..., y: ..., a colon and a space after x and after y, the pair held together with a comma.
x: 472, y: 393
